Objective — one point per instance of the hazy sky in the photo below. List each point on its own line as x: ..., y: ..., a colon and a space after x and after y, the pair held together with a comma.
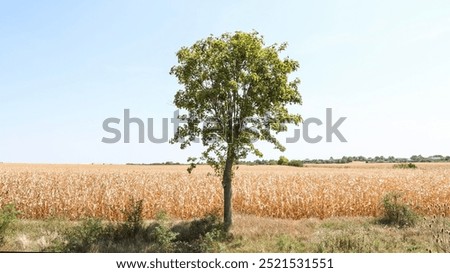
x: 66, y: 66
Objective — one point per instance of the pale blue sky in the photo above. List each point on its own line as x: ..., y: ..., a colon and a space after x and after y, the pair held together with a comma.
x: 65, y: 66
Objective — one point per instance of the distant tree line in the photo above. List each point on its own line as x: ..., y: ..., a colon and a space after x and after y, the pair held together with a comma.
x: 281, y: 161
x: 345, y: 159
x: 157, y: 163
x: 348, y: 159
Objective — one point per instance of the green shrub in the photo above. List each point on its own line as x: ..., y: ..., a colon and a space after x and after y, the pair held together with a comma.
x: 196, y: 229
x: 163, y: 235
x: 94, y: 236
x: 83, y: 237
x: 134, y: 221
x: 210, y: 232
x: 397, y: 213
x: 8, y: 215
x: 283, y: 160
x: 165, y: 238
x: 201, y: 235
x: 212, y: 241
x: 296, y: 163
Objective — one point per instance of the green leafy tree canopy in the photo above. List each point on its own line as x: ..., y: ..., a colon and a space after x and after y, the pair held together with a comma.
x: 235, y: 92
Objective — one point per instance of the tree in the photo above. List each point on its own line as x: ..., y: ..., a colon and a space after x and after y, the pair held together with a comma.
x: 296, y: 163
x: 283, y: 160
x: 235, y: 91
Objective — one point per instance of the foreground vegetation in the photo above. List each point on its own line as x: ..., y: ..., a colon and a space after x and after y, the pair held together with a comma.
x: 249, y: 234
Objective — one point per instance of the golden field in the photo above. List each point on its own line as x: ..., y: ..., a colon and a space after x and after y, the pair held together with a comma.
x: 318, y: 191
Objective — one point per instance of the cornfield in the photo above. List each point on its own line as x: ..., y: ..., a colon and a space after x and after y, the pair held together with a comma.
x: 103, y: 191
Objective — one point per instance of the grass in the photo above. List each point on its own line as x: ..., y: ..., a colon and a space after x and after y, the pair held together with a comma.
x: 8, y: 214
x: 249, y: 234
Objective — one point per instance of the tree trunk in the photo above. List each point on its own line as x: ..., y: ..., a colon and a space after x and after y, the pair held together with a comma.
x: 227, y: 192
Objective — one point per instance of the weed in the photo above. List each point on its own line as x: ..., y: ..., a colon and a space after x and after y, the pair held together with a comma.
x: 8, y: 215
x: 163, y: 235
x: 440, y: 232
x: 133, y: 219
x: 343, y: 242
x: 397, y: 213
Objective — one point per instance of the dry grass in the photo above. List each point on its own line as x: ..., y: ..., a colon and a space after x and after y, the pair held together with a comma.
x: 256, y: 234
x: 103, y: 191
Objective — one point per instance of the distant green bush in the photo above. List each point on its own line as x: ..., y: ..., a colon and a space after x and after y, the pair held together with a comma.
x: 296, y: 163
x: 283, y: 160
x: 405, y: 166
